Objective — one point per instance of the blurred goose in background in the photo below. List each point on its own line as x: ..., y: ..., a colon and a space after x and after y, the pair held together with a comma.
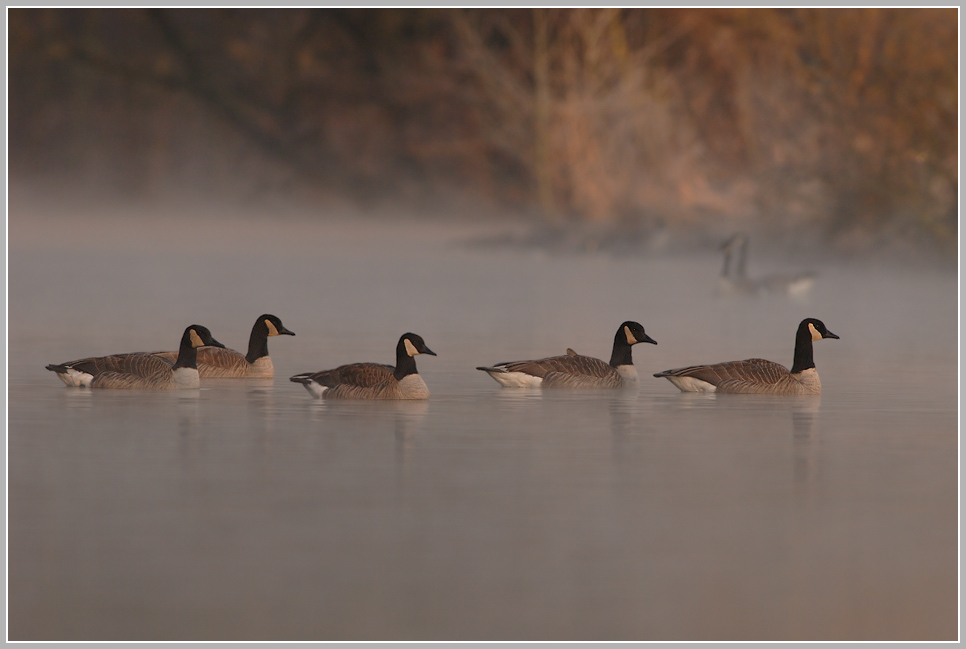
x: 373, y: 380
x: 574, y: 370
x: 218, y: 362
x: 140, y: 370
x: 735, y: 281
x: 756, y: 375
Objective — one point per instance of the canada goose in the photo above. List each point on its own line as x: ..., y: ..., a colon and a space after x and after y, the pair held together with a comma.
x: 373, y: 380
x: 216, y: 362
x: 574, y: 370
x: 736, y: 281
x: 140, y: 370
x: 756, y: 375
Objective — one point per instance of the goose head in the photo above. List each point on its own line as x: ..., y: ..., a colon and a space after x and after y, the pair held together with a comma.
x: 199, y: 336
x: 634, y: 332
x: 816, y: 328
x: 274, y: 325
x: 414, y: 344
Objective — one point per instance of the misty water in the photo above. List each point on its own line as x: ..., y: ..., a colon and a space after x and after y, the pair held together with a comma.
x: 246, y: 510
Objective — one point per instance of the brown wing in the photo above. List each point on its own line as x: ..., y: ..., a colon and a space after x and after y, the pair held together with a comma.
x: 569, y: 364
x: 359, y: 381
x: 384, y: 390
x: 563, y: 380
x: 217, y: 362
x: 125, y: 380
x: 756, y: 371
x: 136, y: 370
x: 136, y: 364
x: 359, y: 375
x: 168, y: 357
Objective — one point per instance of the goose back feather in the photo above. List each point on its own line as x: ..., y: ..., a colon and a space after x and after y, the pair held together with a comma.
x: 374, y: 381
x: 574, y: 370
x: 757, y: 375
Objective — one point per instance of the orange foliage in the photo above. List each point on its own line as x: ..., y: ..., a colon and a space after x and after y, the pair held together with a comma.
x: 841, y: 118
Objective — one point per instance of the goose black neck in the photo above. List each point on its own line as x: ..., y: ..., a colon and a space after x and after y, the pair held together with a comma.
x: 622, y: 350
x: 187, y: 354
x: 803, y: 350
x: 258, y: 342
x: 741, y: 269
x: 405, y: 364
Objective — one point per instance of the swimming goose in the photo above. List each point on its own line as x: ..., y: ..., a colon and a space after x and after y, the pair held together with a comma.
x: 140, y: 370
x: 217, y: 362
x: 373, y: 380
x: 756, y: 375
x: 736, y: 282
x: 574, y: 370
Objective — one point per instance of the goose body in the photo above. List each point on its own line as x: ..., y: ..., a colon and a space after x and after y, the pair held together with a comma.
x: 372, y: 380
x: 757, y: 375
x: 218, y: 362
x: 735, y: 281
x: 140, y: 370
x: 573, y: 370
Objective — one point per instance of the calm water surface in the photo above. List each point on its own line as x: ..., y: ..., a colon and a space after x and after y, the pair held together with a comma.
x: 248, y: 511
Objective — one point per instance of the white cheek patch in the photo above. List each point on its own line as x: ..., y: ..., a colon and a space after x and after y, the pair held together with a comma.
x: 272, y: 331
x: 410, y: 348
x: 195, y: 339
x: 631, y: 340
x: 815, y: 334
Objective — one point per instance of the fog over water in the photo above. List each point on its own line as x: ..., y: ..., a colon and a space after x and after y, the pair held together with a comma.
x: 247, y: 510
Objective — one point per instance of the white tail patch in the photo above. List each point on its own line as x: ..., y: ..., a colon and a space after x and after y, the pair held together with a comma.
x: 272, y: 330
x: 195, y: 339
x: 410, y: 348
x: 75, y: 378
x: 317, y: 390
x: 516, y: 379
x: 815, y: 334
x: 691, y: 384
x: 631, y: 340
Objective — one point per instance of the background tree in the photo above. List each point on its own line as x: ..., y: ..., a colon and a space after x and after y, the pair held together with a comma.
x: 840, y: 122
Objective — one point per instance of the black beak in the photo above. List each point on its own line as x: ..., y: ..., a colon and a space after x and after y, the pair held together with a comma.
x: 829, y: 334
x: 215, y: 343
x: 427, y: 350
x: 647, y: 339
x: 285, y: 332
